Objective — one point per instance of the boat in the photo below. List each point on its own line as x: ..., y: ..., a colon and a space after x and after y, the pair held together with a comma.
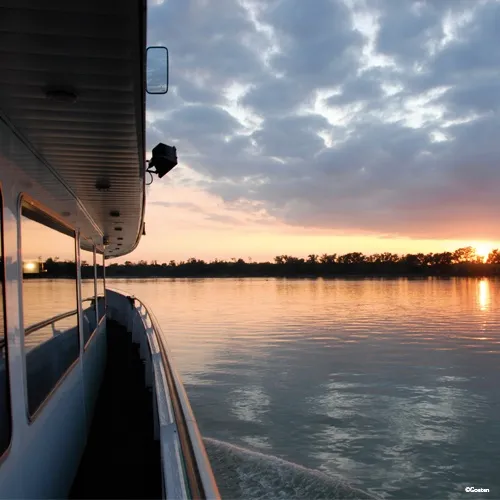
x: 91, y: 404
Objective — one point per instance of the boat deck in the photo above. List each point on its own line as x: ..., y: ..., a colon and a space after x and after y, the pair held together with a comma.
x: 122, y: 459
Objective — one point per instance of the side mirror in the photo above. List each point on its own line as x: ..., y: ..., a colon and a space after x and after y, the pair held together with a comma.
x: 157, y: 70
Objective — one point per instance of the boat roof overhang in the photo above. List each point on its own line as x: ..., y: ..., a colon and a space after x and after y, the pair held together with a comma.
x: 91, y: 151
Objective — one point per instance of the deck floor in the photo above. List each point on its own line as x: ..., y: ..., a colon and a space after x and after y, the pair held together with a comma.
x: 122, y: 459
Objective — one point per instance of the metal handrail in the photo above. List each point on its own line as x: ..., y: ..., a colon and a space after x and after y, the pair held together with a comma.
x: 42, y: 324
x: 181, y: 407
x: 192, y: 471
x: 193, y: 474
x: 46, y: 322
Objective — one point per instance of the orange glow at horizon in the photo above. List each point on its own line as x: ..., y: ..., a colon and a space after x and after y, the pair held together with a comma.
x: 183, y: 221
x: 483, y: 249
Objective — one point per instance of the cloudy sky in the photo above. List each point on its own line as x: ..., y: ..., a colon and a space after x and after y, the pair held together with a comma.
x: 311, y: 126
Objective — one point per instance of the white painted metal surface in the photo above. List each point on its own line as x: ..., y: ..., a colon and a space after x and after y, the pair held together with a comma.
x: 44, y: 454
x: 139, y: 320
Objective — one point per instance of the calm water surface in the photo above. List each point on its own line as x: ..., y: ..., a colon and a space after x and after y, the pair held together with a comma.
x: 390, y: 385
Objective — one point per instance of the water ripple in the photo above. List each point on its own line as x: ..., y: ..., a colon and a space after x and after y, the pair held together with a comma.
x: 390, y: 384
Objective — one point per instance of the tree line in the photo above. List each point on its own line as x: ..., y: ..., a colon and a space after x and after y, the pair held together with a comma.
x: 462, y: 262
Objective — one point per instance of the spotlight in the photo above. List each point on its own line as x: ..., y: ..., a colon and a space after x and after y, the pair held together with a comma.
x: 164, y: 159
x: 31, y: 267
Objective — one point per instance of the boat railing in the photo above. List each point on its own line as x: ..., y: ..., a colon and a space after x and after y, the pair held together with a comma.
x: 52, y: 321
x: 187, y: 472
x: 48, y: 322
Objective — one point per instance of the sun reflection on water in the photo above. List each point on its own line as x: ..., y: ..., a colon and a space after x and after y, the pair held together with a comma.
x: 483, y: 295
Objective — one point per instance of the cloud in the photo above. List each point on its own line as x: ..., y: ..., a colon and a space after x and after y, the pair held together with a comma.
x: 223, y: 219
x: 374, y: 116
x: 273, y: 139
x: 274, y: 96
x: 178, y: 204
x: 203, y: 121
x: 196, y: 93
x: 319, y: 42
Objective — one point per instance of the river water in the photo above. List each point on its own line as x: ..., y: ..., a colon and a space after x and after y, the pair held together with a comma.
x: 309, y: 388
x: 300, y: 386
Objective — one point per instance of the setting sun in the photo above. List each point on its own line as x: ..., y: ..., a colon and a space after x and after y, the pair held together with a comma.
x: 483, y: 249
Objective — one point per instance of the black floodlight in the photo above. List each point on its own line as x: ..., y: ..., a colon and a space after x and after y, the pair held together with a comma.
x: 163, y: 160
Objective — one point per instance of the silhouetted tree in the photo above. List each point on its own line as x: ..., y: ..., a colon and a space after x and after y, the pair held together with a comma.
x: 328, y: 259
x: 465, y: 254
x: 351, y: 258
x: 312, y: 258
x: 461, y: 262
x: 493, y: 257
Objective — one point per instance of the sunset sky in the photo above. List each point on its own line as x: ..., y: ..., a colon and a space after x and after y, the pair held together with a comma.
x: 325, y: 126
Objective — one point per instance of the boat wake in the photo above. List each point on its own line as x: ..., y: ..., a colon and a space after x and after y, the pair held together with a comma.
x: 245, y: 474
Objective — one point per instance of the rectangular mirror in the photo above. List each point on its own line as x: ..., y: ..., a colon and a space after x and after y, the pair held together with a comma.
x: 157, y: 70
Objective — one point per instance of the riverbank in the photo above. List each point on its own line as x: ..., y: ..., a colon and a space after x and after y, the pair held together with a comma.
x: 473, y: 270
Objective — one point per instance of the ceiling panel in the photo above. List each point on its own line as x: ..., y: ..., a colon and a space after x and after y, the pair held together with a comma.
x: 96, y: 49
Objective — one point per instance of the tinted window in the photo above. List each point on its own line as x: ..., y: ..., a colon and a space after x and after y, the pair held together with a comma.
x: 51, y: 340
x: 5, y: 423
x: 88, y: 289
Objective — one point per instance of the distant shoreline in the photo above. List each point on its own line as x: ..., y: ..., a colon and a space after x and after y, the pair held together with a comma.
x: 264, y: 270
x: 300, y: 276
x: 462, y: 263
x: 342, y: 276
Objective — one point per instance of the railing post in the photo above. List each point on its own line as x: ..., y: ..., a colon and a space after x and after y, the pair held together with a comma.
x: 132, y: 322
x: 156, y: 423
x: 136, y: 327
x: 148, y: 367
x: 130, y: 316
x: 143, y: 347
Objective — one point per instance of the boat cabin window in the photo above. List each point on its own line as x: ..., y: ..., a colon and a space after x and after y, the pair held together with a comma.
x: 51, y: 338
x: 5, y: 422
x: 101, y: 297
x: 88, y: 289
